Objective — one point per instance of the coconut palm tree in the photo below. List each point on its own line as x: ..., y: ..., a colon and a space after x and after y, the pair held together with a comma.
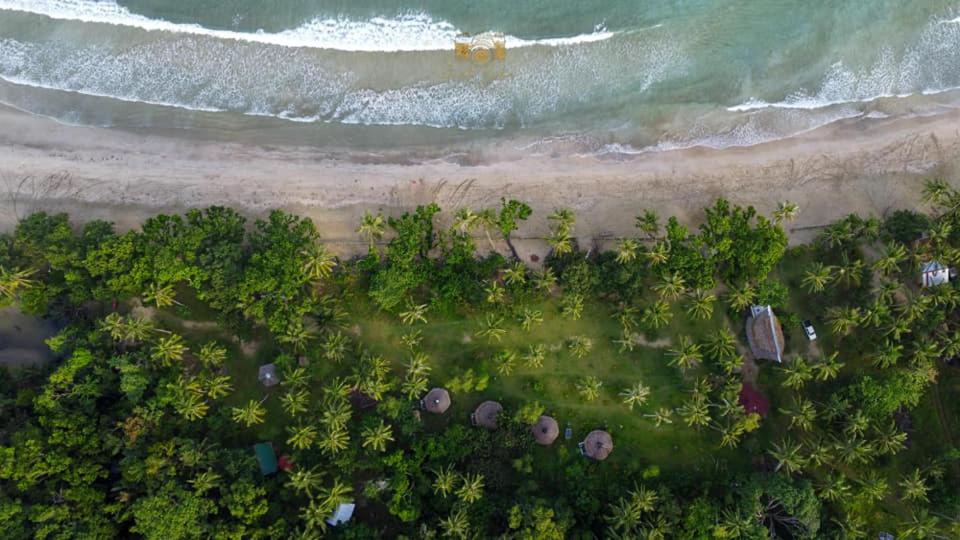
x: 799, y: 372
x: 922, y: 525
x: 730, y: 436
x: 191, y: 406
x: 873, y: 487
x: 701, y: 304
x: 627, y: 250
x: 656, y: 315
x: 671, y: 287
x: 294, y: 402
x: 11, y: 283
x: 658, y: 254
x: 414, y: 385
x: 212, y: 355
x: 589, y: 388
x: 318, y: 263
x: 819, y: 452
x: 695, y: 413
x: 740, y: 298
x: 545, y: 280
x: 635, y: 395
x: 649, y: 223
x: 305, y: 480
x: 168, y: 350
x: 722, y: 345
x: 297, y: 336
x: 314, y: 516
x: 626, y: 342
x: 456, y: 525
x: 786, y: 211
x: 857, y: 423
x: 250, y: 414
x: 516, y: 274
x: 535, y: 355
x: 302, y: 437
x: 495, y: 293
x: 838, y: 234
x: 843, y: 319
x: 914, y: 487
x: 335, y: 346
x: 936, y: 191
x: 561, y: 243
x: 686, y: 355
x: 890, y: 441
x: 161, y: 296
x: 492, y: 328
x: 572, y: 306
x: 848, y: 274
x: 505, y: 361
x: 624, y: 517
x: 217, y: 386
x: 789, y: 456
x: 113, y: 325
x: 295, y: 378
x: 852, y: 450
x: 372, y: 227
x: 445, y: 481
x: 205, y: 481
x: 529, y: 318
x: 828, y: 368
x: 889, y: 263
x: 852, y: 526
x: 377, y: 437
x: 335, y: 439
x: 580, y: 346
x: 334, y: 495
x: 835, y: 488
x: 137, y: 330
x: 816, y: 279
x: 471, y: 488
x: 661, y: 416
x: 802, y: 414
x: 415, y: 313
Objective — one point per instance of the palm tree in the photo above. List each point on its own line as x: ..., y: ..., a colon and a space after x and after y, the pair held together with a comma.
x: 218, y: 386
x: 333, y: 496
x: 873, y: 487
x: 786, y: 211
x: 212, y: 355
x: 561, y: 243
x: 687, y: 355
x: 516, y: 274
x: 113, y: 325
x: 305, y: 480
x: 445, y: 481
x: 580, y: 346
x: 471, y: 488
x: 12, y: 282
x: 798, y: 372
x: 890, y: 441
x: 922, y: 525
x: 589, y: 388
x: 816, y: 279
x: 335, y: 439
x: 572, y: 306
x: 205, y: 481
x: 670, y: 287
x: 695, y: 412
x: 161, y: 296
x: 740, y: 298
x: 295, y: 402
x: 893, y: 257
x: 701, y: 304
x: 857, y: 423
x: 372, y: 227
x: 661, y: 416
x: 835, y: 488
x: 505, y: 361
x: 649, y: 223
x: 302, y: 437
x: 849, y: 273
x: 250, y: 414
x: 627, y: 250
x: 377, y: 437
x: 936, y: 191
x: 843, y: 319
x: 296, y: 378
x: 802, y: 414
x: 411, y: 340
x: 297, y: 336
x: 314, y: 516
x: 658, y: 254
x: 492, y: 329
x: 657, y: 315
x: 722, y: 345
x: 529, y: 318
x: 789, y: 456
x: 414, y: 385
x: 456, y: 525
x: 635, y: 395
x: 828, y: 368
x: 318, y: 263
x: 914, y: 487
x: 168, y: 350
x: 414, y: 313
x: 624, y: 516
x: 534, y: 356
x: 191, y: 406
x: 495, y: 293
x: 137, y: 330
x: 852, y: 450
x: 335, y: 346
x: 545, y: 280
x: 730, y: 436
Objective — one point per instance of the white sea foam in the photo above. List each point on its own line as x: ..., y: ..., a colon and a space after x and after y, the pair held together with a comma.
x: 409, y: 32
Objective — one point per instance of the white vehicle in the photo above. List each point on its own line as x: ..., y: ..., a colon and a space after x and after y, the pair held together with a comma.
x: 809, y: 330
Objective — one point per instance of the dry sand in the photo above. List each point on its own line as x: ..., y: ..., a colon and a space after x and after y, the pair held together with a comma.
x: 865, y: 166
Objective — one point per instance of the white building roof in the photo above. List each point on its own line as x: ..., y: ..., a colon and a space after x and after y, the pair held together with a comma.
x: 342, y: 514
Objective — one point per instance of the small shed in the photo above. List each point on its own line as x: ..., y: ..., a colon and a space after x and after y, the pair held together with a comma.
x: 266, y: 458
x: 545, y: 431
x: 436, y: 401
x: 933, y: 274
x: 342, y: 514
x: 486, y: 414
x: 267, y: 374
x: 597, y: 446
x: 764, y: 334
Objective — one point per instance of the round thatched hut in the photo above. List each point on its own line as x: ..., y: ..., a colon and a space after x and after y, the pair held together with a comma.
x: 545, y: 431
x: 486, y: 414
x: 597, y: 445
x: 436, y: 401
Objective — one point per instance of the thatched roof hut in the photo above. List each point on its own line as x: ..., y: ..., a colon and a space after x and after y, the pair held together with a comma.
x: 545, y: 431
x: 267, y: 374
x: 764, y: 334
x: 597, y: 445
x: 436, y: 401
x: 485, y: 415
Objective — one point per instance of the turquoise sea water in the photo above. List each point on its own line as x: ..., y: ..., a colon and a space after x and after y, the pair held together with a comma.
x: 612, y: 75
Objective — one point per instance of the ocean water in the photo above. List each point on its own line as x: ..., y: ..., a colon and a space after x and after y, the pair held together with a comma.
x: 603, y: 75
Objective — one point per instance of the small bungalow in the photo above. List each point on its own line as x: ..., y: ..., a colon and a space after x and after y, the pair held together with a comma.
x: 545, y: 431
x: 267, y: 374
x: 436, y: 401
x: 933, y: 274
x: 764, y: 334
x: 485, y: 415
x: 597, y: 446
x: 266, y: 458
x: 342, y: 514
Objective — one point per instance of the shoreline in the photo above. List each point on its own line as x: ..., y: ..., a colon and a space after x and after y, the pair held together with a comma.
x: 864, y: 165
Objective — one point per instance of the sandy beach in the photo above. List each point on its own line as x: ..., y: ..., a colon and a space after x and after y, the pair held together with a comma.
x: 868, y: 166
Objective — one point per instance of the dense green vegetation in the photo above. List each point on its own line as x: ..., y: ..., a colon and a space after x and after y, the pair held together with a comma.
x: 144, y: 426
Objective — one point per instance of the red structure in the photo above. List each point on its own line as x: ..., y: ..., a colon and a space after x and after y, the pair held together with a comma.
x: 284, y: 464
x: 753, y: 401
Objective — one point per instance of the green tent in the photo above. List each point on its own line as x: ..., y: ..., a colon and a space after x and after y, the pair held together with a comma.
x: 266, y: 457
